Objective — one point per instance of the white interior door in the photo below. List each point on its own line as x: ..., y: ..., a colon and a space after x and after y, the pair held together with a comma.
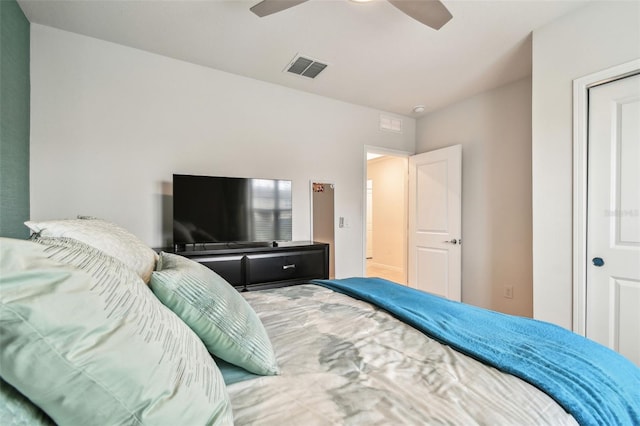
x: 435, y: 222
x: 613, y: 217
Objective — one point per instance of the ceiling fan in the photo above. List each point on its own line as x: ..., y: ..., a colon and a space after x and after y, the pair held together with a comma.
x: 432, y: 13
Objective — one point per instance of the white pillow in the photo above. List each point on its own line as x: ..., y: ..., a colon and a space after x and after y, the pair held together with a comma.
x: 106, y: 236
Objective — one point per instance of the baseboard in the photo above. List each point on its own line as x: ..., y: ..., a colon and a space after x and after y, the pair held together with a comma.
x: 384, y: 266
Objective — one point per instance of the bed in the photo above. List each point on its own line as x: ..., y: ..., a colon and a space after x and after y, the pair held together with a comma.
x: 96, y: 328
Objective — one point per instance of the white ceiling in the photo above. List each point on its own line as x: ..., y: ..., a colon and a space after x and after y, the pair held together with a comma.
x: 377, y: 56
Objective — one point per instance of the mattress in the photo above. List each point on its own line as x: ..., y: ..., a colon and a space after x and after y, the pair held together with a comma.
x: 344, y: 361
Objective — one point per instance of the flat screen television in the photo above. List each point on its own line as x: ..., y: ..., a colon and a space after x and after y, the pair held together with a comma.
x: 226, y: 210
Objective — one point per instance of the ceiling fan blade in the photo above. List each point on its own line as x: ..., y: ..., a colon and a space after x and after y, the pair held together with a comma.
x: 432, y: 13
x: 267, y: 7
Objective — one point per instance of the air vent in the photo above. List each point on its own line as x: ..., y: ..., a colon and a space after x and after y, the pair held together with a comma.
x: 390, y: 124
x: 305, y: 67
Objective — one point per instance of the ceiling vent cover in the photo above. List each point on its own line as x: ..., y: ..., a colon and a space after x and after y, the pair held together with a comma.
x: 305, y: 67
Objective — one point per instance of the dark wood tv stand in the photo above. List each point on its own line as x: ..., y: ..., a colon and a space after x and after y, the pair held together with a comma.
x: 250, y: 268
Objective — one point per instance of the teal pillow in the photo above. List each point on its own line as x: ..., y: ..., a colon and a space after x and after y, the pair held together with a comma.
x: 17, y: 410
x: 85, y: 339
x: 218, y: 314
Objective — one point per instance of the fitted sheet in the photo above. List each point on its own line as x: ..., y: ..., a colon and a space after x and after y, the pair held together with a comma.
x: 344, y: 361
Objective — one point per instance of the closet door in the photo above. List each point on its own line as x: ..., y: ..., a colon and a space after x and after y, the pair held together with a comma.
x: 613, y: 217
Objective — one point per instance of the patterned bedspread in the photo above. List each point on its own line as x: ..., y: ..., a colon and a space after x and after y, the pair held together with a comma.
x: 344, y: 361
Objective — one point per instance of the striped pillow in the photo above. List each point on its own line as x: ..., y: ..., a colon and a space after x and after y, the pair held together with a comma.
x: 220, y: 316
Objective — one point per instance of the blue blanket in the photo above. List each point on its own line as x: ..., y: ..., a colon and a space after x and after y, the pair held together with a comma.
x: 593, y: 383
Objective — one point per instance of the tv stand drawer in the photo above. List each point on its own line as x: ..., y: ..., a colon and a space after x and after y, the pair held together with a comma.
x: 285, y: 266
x: 228, y: 267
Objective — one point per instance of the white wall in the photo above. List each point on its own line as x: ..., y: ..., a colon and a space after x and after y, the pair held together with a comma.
x: 111, y: 124
x: 494, y: 129
x: 591, y: 39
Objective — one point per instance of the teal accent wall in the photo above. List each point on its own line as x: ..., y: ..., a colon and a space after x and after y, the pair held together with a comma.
x: 14, y: 120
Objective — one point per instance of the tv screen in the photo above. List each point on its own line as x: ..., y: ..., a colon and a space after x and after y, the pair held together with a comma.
x: 211, y: 209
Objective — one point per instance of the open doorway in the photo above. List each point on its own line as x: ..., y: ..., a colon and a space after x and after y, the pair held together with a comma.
x: 386, y: 189
x: 323, y: 218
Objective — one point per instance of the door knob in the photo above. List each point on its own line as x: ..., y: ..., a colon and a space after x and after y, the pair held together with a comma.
x: 597, y: 261
x: 454, y: 241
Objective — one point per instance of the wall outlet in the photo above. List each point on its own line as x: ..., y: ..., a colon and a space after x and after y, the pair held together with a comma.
x: 508, y: 292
